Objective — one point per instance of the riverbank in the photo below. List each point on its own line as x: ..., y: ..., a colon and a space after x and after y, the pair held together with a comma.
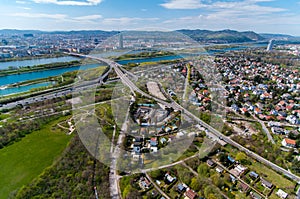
x: 143, y: 55
x: 42, y: 67
x: 57, y: 55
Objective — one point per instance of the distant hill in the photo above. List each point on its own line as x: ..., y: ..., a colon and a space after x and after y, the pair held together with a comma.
x: 204, y: 36
x: 14, y: 31
x: 223, y: 36
x: 276, y: 36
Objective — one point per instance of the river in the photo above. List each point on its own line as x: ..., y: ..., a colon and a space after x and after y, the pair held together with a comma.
x: 34, y: 62
x: 12, y: 79
x: 21, y: 89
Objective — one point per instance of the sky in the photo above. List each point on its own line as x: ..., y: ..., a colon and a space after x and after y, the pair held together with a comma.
x: 262, y: 16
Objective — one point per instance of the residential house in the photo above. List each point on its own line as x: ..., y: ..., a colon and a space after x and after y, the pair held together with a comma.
x: 280, y: 193
x: 282, y: 103
x: 244, y: 188
x: 169, y: 179
x: 274, y: 124
x: 255, y: 195
x: 277, y: 130
x: 210, y: 163
x: 290, y: 107
x: 233, y: 179
x: 257, y: 111
x: 266, y: 183
x: 274, y: 112
x: 191, y: 194
x: 286, y: 142
x: 280, y: 118
x: 253, y: 175
x: 144, y: 183
x: 282, y: 113
x: 293, y: 119
x: 137, y: 147
x: 181, y: 188
x: 296, y: 112
x: 234, y: 107
x: 230, y: 159
x: 238, y: 170
x: 243, y: 110
x: 219, y: 169
x: 265, y: 96
x: 153, y: 142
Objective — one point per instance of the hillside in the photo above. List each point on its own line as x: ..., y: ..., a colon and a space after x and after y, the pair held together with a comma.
x: 223, y: 36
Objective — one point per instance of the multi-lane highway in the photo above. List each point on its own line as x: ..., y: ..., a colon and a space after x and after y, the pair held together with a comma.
x: 57, y: 92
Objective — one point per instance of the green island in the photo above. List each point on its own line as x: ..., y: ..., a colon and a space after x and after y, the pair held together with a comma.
x: 54, y: 55
x: 27, y: 69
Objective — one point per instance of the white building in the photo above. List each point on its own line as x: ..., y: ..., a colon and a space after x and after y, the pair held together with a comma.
x: 280, y: 193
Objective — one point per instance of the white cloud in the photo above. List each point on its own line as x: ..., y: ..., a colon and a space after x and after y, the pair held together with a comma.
x: 25, y: 8
x: 242, y: 6
x: 70, y: 2
x: 88, y: 17
x: 183, y: 4
x: 127, y: 20
x: 61, y: 17
x: 21, y: 2
x: 39, y: 15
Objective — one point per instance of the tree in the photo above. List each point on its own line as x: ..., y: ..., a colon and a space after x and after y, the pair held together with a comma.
x: 195, y: 184
x: 133, y: 194
x: 156, y: 174
x: 203, y: 170
x: 208, y: 190
x: 185, y: 176
x: 211, y: 196
x: 126, y: 190
x: 240, y: 156
x: 217, y: 180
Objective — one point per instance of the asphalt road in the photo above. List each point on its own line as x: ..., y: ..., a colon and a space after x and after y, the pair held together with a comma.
x: 59, y: 93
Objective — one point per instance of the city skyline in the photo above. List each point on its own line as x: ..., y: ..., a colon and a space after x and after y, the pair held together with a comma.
x: 262, y: 16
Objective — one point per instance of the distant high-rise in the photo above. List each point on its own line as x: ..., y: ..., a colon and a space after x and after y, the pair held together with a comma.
x: 270, y: 45
x: 121, y: 41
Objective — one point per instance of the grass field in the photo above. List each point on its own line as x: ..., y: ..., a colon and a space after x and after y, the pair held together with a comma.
x: 21, y: 162
x: 275, y: 178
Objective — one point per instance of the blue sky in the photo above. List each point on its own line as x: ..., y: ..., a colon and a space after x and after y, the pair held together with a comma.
x: 272, y: 16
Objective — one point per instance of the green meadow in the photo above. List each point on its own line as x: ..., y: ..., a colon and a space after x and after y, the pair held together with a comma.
x: 23, y: 161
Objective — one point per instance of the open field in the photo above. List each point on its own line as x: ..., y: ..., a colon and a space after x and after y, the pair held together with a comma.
x: 275, y: 178
x: 25, y: 160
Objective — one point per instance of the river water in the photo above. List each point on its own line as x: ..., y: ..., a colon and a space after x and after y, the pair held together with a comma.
x: 34, y: 62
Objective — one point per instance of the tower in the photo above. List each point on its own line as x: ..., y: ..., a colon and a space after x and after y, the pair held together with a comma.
x: 121, y: 41
x: 270, y: 45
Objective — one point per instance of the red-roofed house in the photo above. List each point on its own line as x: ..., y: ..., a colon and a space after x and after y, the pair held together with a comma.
x: 243, y: 110
x: 281, y: 103
x: 268, y: 117
x: 280, y: 118
x: 257, y: 111
x: 290, y: 107
x: 288, y: 143
x: 190, y: 194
